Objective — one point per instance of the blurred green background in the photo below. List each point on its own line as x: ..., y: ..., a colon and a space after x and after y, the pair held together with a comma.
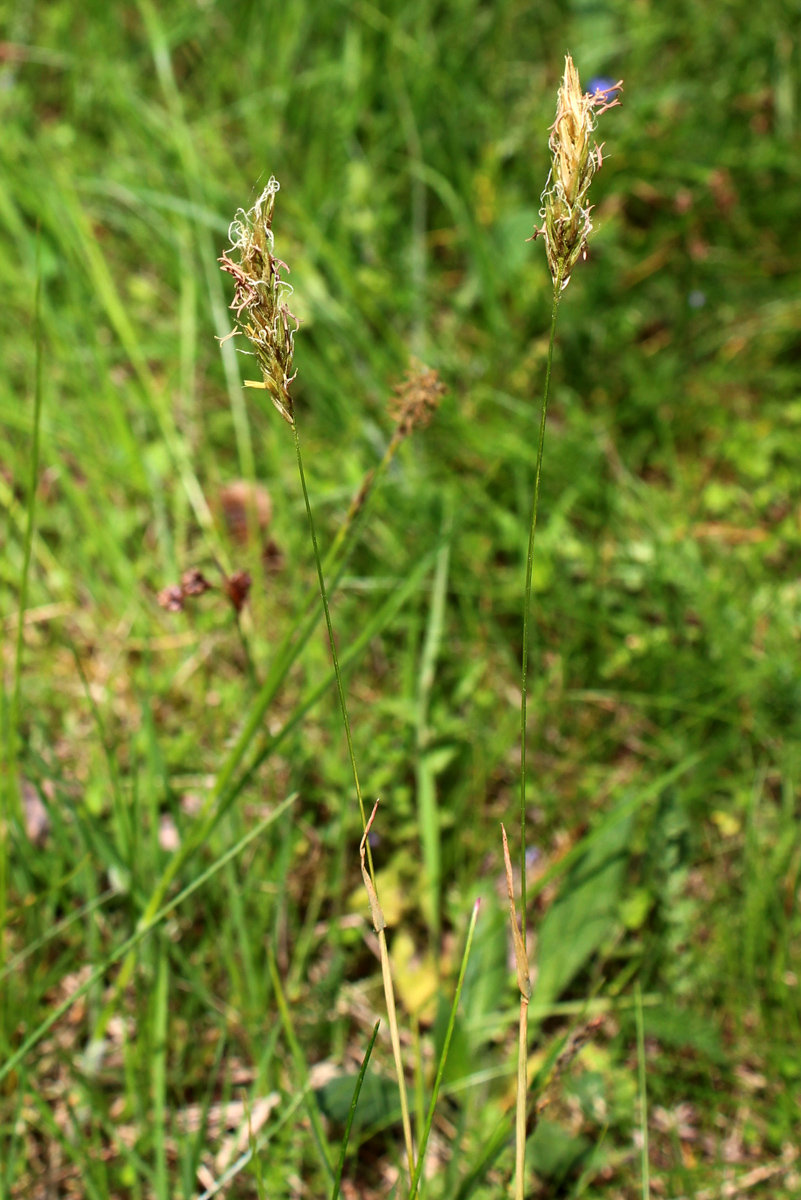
x: 410, y: 141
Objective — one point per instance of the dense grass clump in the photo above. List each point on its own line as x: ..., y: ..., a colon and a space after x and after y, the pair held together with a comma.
x: 189, y: 973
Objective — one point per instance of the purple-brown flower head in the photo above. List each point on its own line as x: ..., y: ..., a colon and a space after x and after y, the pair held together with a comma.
x: 416, y: 399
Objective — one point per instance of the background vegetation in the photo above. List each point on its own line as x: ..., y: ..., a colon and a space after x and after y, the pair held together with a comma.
x: 410, y: 139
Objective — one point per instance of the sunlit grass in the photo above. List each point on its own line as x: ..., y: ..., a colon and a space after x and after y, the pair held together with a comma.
x: 664, y: 705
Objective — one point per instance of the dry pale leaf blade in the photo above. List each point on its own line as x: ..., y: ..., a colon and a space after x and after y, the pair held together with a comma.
x: 375, y: 908
x: 521, y: 957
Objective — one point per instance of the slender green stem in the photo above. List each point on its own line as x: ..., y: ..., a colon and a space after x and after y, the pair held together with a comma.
x: 443, y: 1058
x: 522, y: 1050
x: 33, y: 484
x: 352, y: 1113
x: 557, y: 289
x: 646, y: 1182
x: 374, y: 626
x: 522, y: 1101
x: 312, y: 1106
x: 343, y: 705
x: 159, y: 1071
x: 250, y: 666
x: 9, y: 793
x: 389, y: 992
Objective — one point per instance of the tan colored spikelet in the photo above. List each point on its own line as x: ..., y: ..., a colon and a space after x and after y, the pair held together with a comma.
x: 575, y: 159
x: 260, y: 299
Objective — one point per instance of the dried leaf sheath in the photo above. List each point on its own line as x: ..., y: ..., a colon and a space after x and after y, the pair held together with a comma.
x: 521, y: 955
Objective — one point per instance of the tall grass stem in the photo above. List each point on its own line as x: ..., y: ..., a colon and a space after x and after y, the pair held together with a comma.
x: 525, y: 992
x: 443, y: 1058
x: 557, y: 289
x: 9, y: 794
x: 522, y: 1099
x: 352, y: 1113
x: 31, y: 512
x: 645, y: 1167
x: 312, y: 1106
x: 389, y: 991
x: 343, y: 706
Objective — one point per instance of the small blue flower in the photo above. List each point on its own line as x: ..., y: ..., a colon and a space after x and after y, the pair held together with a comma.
x: 602, y: 84
x: 696, y: 298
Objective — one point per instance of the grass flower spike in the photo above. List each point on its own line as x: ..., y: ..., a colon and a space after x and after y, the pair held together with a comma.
x: 576, y: 158
x: 261, y: 295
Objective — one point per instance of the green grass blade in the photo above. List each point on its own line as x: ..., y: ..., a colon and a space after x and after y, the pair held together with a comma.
x: 352, y: 1112
x: 644, y: 1159
x: 623, y: 810
x: 373, y: 627
x: 54, y: 931
x: 261, y: 1142
x: 41, y: 551
x: 301, y: 1066
x: 443, y: 1058
x: 221, y: 801
x: 9, y: 794
x: 121, y: 811
x: 141, y: 933
x: 194, y: 181
x: 159, y: 1070
x: 197, y: 1144
x: 103, y: 282
x: 30, y: 507
x: 489, y: 1153
x: 428, y: 813
x: 258, y: 1174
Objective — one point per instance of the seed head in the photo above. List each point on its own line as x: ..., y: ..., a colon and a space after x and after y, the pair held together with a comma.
x: 194, y: 583
x: 172, y: 598
x: 575, y: 159
x: 260, y: 298
x: 237, y: 587
x: 416, y: 399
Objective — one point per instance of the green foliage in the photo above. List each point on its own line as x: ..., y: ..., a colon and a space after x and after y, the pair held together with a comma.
x: 410, y: 140
x: 553, y: 1152
x: 585, y: 913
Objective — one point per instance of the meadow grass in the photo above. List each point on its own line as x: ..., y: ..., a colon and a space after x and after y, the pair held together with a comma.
x: 162, y: 911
